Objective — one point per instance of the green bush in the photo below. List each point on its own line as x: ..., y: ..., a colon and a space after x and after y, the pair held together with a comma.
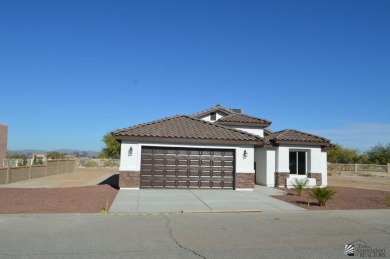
x: 22, y: 162
x: 91, y: 164
x: 322, y: 194
x: 109, y: 163
x: 299, y: 185
x: 387, y: 197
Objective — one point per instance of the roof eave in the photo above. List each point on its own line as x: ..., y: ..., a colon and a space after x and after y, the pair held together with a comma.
x: 307, y: 143
x: 149, y: 139
x: 246, y: 124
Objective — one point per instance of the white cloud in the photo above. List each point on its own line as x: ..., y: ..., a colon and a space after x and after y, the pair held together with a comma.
x: 361, y: 136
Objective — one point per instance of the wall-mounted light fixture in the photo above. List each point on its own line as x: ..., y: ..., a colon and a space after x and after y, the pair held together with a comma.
x: 130, y: 151
x: 245, y: 154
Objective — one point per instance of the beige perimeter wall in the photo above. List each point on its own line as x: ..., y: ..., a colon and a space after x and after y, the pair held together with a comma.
x: 21, y: 173
x: 3, y: 143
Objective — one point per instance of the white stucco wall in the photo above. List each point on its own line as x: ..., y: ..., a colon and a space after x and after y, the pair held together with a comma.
x: 245, y: 165
x: 315, y: 159
x: 291, y: 181
x: 282, y: 159
x: 261, y: 165
x: 268, y: 160
x: 265, y: 166
x: 207, y: 117
x: 276, y: 159
x: 133, y: 163
x: 324, y: 168
x: 130, y: 163
x: 254, y: 131
x: 314, y: 156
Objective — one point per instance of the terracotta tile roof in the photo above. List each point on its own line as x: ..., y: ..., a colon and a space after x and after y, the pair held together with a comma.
x: 183, y: 128
x: 267, y: 132
x: 239, y: 119
x: 290, y: 136
x: 212, y: 109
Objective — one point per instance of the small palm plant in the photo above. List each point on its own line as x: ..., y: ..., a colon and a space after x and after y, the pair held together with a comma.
x: 105, y: 209
x: 387, y: 197
x: 299, y: 185
x: 322, y: 194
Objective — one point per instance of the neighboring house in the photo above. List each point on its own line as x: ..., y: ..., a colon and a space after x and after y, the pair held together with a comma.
x: 39, y: 158
x: 3, y: 143
x: 218, y: 148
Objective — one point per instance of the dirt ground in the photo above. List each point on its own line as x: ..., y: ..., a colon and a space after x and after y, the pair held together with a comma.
x: 346, y: 198
x: 368, y: 180
x: 88, y: 199
x: 81, y: 177
x: 366, y: 190
x: 88, y: 190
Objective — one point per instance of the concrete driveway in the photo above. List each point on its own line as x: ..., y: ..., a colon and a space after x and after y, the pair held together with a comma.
x: 151, y: 200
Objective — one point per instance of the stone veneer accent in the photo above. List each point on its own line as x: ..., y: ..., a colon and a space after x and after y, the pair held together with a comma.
x: 245, y: 181
x: 129, y: 179
x: 280, y: 179
x: 317, y: 176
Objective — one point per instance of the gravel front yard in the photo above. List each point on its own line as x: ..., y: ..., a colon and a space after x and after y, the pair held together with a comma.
x: 90, y: 199
x: 346, y: 198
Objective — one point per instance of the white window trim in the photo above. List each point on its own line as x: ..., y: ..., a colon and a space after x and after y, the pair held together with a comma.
x: 306, y: 162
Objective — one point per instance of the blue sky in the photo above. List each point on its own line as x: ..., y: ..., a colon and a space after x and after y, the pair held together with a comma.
x: 71, y: 71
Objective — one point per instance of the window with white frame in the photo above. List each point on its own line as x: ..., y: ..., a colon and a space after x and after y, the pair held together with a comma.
x: 297, y: 162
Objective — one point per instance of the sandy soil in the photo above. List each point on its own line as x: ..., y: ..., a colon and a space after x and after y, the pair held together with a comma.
x: 373, y: 181
x: 81, y: 177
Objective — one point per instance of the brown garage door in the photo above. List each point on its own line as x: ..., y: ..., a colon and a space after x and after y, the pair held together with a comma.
x: 186, y: 168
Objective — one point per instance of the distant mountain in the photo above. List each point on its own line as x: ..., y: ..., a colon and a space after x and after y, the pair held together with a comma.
x: 26, y: 151
x: 37, y: 151
x: 71, y: 151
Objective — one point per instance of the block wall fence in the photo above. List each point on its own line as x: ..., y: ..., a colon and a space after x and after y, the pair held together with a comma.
x: 52, y: 167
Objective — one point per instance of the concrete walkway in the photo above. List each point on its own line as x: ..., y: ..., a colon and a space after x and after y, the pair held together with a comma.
x: 151, y: 200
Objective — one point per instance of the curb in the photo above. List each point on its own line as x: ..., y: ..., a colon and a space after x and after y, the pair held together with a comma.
x: 178, y: 212
x: 219, y: 211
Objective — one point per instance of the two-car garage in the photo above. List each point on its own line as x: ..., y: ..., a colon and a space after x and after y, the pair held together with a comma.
x: 163, y: 167
x: 184, y: 152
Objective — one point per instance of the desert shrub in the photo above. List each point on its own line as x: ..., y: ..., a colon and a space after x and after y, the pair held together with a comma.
x: 299, y: 185
x: 91, y: 164
x: 22, y: 162
x: 322, y: 194
x: 387, y: 197
x: 55, y: 155
x: 110, y: 163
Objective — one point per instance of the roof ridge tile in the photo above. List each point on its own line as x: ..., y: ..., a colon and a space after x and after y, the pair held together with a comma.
x: 217, y: 107
x: 256, y: 119
x: 185, y: 127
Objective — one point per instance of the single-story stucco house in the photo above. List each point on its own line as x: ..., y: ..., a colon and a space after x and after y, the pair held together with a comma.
x: 218, y: 148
